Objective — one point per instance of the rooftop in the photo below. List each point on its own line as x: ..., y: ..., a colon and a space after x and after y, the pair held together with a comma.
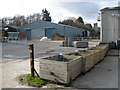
x: 110, y: 8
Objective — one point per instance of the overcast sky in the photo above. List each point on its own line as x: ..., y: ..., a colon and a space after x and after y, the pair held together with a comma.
x: 59, y: 9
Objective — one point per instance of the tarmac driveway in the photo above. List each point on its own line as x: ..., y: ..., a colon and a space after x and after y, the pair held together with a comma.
x: 103, y: 75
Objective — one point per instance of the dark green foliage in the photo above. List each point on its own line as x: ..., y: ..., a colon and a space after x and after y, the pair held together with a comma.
x: 80, y: 20
x: 89, y: 25
x: 67, y: 22
x: 79, y: 23
x: 95, y: 34
x: 46, y: 15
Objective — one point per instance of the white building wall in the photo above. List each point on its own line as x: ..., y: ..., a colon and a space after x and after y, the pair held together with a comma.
x: 109, y: 29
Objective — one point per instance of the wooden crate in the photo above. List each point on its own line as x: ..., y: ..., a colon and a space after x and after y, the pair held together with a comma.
x: 88, y: 59
x: 96, y: 55
x: 103, y: 50
x: 60, y: 71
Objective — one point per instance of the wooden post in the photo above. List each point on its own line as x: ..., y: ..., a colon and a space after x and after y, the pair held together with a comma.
x: 31, y: 47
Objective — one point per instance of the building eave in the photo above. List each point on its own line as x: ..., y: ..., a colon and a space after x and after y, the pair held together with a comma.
x: 110, y: 8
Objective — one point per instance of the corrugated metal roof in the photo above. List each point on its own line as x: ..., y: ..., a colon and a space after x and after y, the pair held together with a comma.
x: 52, y: 23
x: 62, y: 24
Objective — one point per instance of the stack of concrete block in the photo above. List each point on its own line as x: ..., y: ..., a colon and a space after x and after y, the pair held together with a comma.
x: 80, y: 44
x: 60, y: 70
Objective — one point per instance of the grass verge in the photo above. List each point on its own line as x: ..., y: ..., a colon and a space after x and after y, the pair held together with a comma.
x: 34, y: 81
x: 27, y: 79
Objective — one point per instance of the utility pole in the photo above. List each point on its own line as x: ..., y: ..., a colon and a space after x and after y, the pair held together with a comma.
x: 31, y: 48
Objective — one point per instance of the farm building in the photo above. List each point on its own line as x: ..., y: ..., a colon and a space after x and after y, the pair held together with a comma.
x: 11, y: 33
x: 110, y: 20
x: 38, y: 29
x: 10, y: 29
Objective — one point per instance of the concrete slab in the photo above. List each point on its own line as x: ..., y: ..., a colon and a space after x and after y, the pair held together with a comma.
x: 113, y: 52
x: 11, y: 70
x: 103, y: 75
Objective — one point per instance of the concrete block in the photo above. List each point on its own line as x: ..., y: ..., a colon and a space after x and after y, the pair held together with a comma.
x: 80, y: 44
x: 67, y: 44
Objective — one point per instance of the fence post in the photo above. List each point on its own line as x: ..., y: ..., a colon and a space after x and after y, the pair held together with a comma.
x: 31, y: 47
